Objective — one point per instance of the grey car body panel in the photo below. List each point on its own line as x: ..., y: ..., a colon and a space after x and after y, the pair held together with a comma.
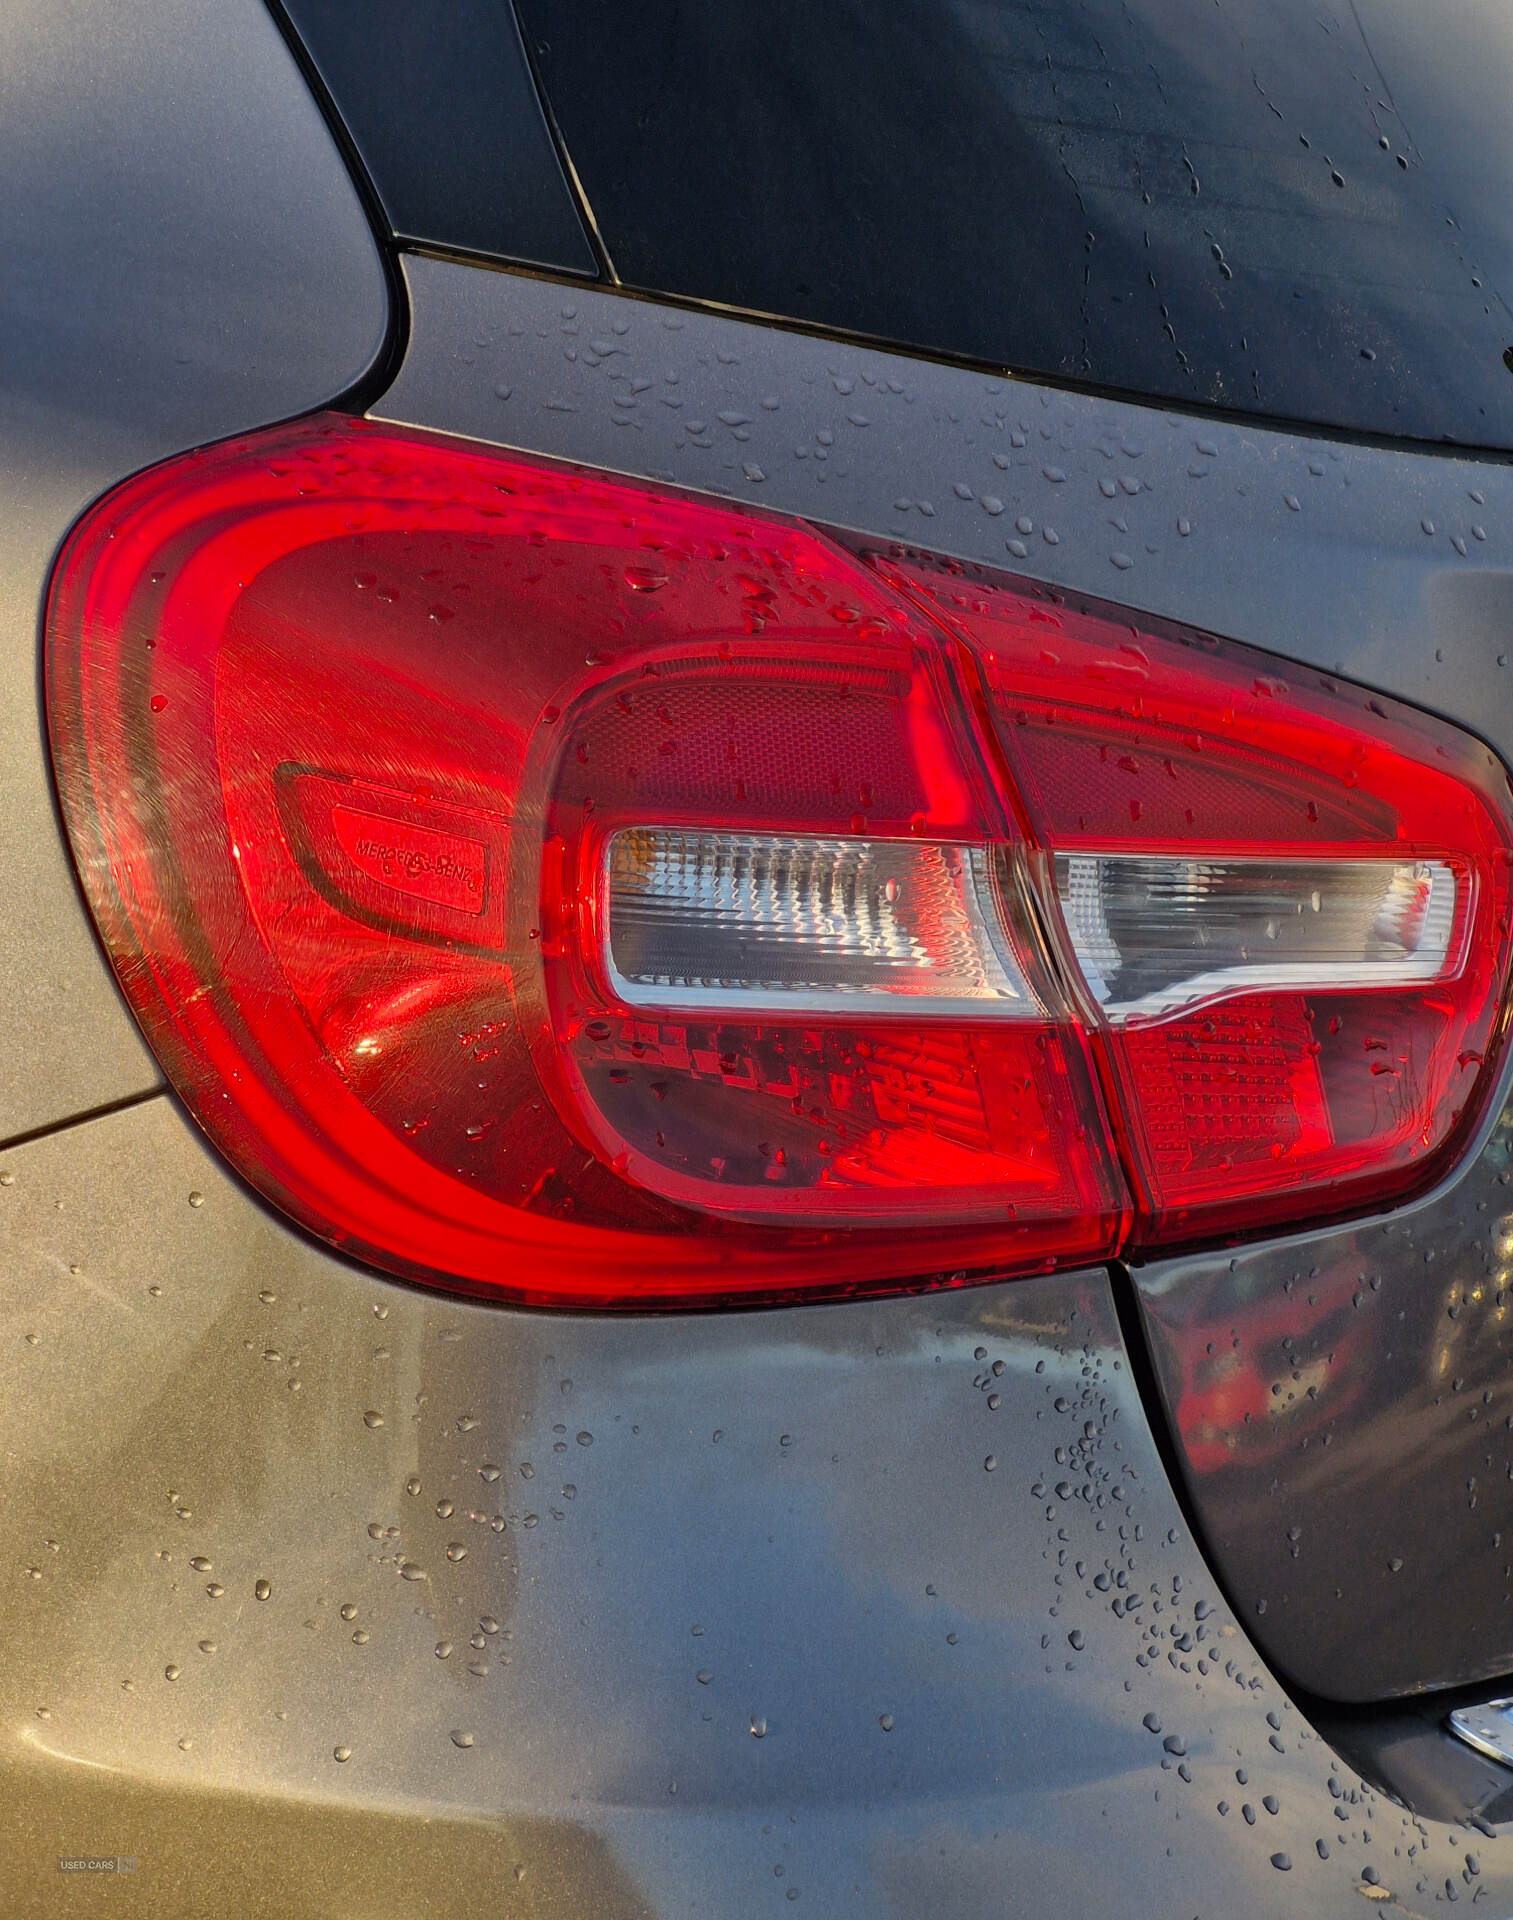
x: 1344, y: 1412
x: 987, y: 1667
x: 1391, y: 567
x: 182, y: 259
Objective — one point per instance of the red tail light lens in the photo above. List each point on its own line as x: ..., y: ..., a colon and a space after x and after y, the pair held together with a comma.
x: 1288, y: 900
x: 587, y: 894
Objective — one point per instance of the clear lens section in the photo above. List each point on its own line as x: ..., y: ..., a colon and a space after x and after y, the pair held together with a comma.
x: 794, y: 922
x: 1153, y: 933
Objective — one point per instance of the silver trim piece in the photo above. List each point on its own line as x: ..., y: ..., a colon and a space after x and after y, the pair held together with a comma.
x: 1488, y: 1728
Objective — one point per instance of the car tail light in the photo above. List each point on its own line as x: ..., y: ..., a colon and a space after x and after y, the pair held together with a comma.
x: 579, y: 892
x: 1286, y: 899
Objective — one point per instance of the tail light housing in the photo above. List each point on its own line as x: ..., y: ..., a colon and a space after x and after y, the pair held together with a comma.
x: 585, y: 893
x: 1286, y: 898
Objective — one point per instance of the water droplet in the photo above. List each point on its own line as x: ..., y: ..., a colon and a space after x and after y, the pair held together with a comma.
x: 758, y: 1725
x: 991, y: 1463
x: 885, y: 1721
x: 197, y: 1199
x: 262, y: 1588
x: 460, y: 1738
x: 341, y: 1755
x: 171, y: 1672
x: 373, y: 1418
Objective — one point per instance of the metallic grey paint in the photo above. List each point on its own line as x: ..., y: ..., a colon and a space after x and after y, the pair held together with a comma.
x: 179, y: 259
x: 1344, y: 1406
x: 980, y: 1691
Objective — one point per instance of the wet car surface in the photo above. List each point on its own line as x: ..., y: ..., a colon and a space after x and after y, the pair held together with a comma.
x: 1131, y: 1587
x: 886, y: 1605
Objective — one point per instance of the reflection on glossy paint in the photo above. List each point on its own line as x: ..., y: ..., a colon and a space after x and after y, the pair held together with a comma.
x: 1343, y: 1403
